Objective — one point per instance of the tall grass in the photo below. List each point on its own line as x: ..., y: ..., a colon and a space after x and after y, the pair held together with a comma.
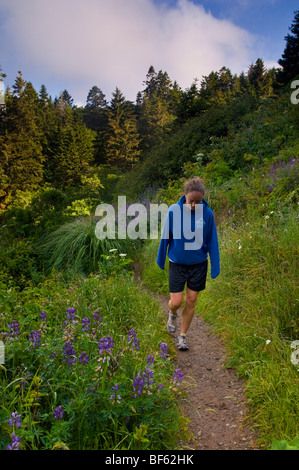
x: 254, y: 306
x: 74, y: 246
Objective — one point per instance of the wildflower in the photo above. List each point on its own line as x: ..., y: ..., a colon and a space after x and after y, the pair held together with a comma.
x: 116, y: 398
x: 26, y: 377
x: 240, y: 246
x: 71, y: 310
x: 268, y: 341
x: 163, y: 350
x: 69, y: 352
x: 271, y: 187
x: 150, y: 360
x: 85, y: 324
x: 122, y: 254
x: 138, y: 385
x: 148, y: 378
x: 15, y: 443
x: 97, y: 320
x: 112, y: 249
x: 43, y: 316
x: 160, y: 386
x: 71, y: 315
x: 15, y: 419
x: 133, y: 338
x: 83, y: 358
x: 178, y: 376
x: 58, y: 412
x: 106, y: 344
x: 34, y: 338
x: 14, y: 330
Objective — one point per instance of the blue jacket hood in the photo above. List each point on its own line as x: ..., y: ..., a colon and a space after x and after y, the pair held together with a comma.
x: 182, y: 201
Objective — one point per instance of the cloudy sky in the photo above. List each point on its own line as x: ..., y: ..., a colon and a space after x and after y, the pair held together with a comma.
x: 76, y: 44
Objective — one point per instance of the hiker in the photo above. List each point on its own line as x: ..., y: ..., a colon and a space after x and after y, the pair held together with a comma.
x: 188, y: 260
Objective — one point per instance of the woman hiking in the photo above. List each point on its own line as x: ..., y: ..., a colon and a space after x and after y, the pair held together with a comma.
x: 189, y: 234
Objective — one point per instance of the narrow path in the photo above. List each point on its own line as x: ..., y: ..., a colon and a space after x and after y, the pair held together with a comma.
x: 215, y: 402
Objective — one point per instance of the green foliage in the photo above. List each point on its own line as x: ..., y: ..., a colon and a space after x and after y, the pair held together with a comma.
x: 285, y: 445
x: 95, y: 388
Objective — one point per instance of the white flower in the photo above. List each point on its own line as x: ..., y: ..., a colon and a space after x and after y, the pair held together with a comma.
x: 268, y: 341
x: 267, y: 217
x: 240, y: 246
x: 122, y: 254
x: 112, y: 249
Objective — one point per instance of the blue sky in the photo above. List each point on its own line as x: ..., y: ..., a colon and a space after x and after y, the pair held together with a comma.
x: 75, y: 44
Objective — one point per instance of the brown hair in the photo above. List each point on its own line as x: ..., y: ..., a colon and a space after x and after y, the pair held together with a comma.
x: 194, y: 184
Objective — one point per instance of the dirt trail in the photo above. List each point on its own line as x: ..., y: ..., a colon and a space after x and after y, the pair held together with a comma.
x: 216, y: 403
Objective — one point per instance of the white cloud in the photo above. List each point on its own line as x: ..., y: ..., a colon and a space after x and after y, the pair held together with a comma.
x: 109, y: 43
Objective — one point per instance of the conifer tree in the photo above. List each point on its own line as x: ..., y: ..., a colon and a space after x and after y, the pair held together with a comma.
x: 21, y: 157
x: 96, y: 98
x: 260, y: 79
x: 290, y: 56
x: 156, y: 107
x: 122, y: 139
x: 70, y: 150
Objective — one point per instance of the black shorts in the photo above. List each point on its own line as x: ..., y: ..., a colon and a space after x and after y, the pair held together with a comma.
x: 194, y: 274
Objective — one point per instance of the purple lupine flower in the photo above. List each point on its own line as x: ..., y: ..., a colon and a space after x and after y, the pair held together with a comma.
x: 178, y: 376
x: 24, y: 383
x: 114, y: 396
x: 96, y: 318
x: 15, y: 419
x: 71, y: 315
x: 106, y: 344
x: 133, y: 338
x: 14, y: 330
x: 43, y: 316
x: 69, y: 352
x: 271, y: 187
x: 148, y: 377
x: 160, y: 386
x: 15, y: 443
x: 58, y: 412
x: 150, y: 360
x: 85, y: 324
x: 163, y: 350
x: 71, y: 310
x: 138, y: 385
x: 34, y: 338
x: 83, y: 358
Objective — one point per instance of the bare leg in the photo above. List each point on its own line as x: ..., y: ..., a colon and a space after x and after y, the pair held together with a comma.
x: 188, y: 311
x: 175, y: 302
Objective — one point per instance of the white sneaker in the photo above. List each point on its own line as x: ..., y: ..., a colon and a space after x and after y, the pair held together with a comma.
x: 182, y: 343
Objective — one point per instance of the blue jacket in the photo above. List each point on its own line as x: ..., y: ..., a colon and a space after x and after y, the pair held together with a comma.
x: 176, y: 246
